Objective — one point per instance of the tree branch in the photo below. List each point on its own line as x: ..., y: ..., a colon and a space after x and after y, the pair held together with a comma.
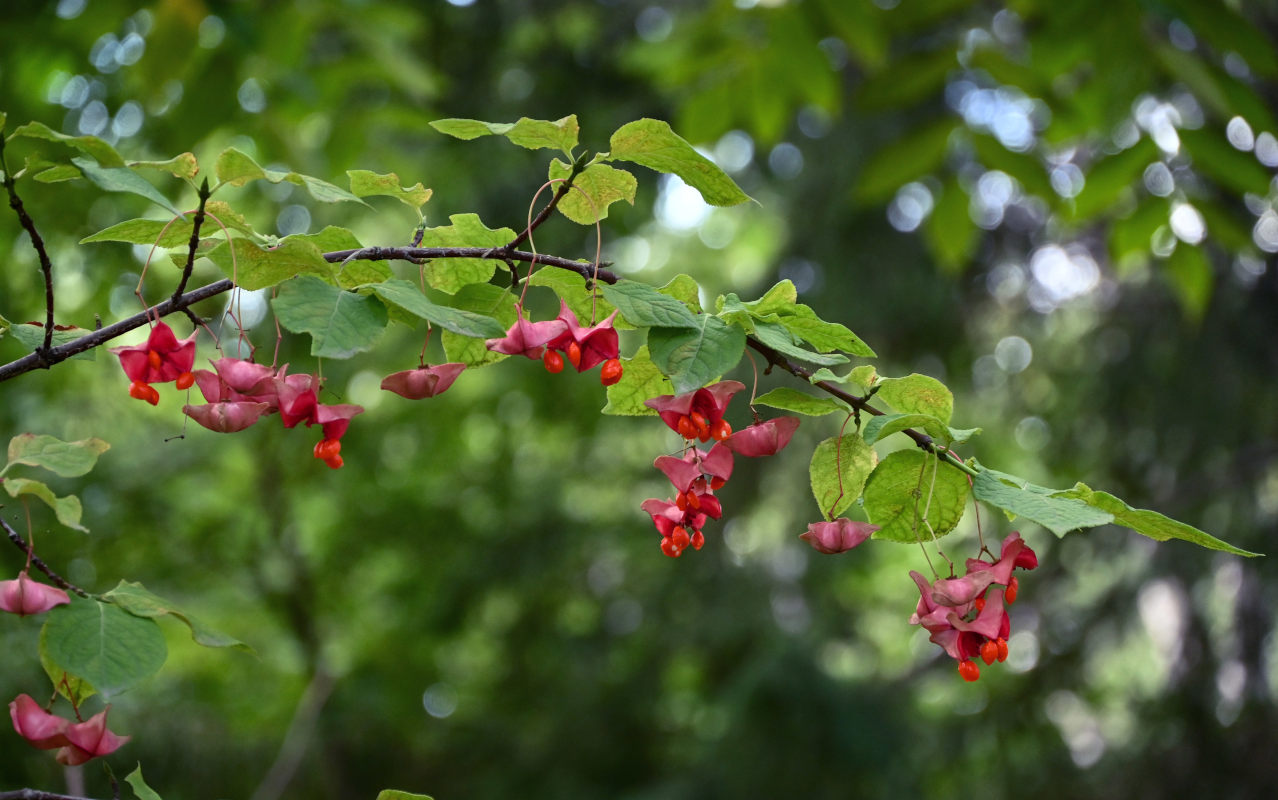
x: 101, y: 336
x: 45, y: 265
x: 57, y: 579
x: 34, y: 794
x: 582, y: 268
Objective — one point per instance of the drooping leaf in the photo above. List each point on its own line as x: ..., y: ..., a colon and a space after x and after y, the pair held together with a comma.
x: 103, y: 644
x: 370, y: 184
x: 534, y: 134
x: 906, y: 483
x: 691, y: 358
x: 917, y: 394
x: 68, y: 459
x: 604, y: 185
x: 123, y: 179
x: 651, y: 143
x: 826, y: 337
x: 787, y: 399
x: 640, y: 380
x: 779, y: 338
x: 67, y: 509
x: 145, y: 232
x: 256, y: 267
x: 404, y: 295
x: 396, y: 794
x: 838, y: 471
x: 341, y: 323
x: 31, y: 334
x: 182, y: 166
x: 465, y: 230
x: 490, y: 301
x: 880, y: 427
x: 237, y: 168
x: 138, y: 601
x: 140, y: 788
x: 645, y: 306
x: 101, y: 152
x: 1147, y: 523
x: 1058, y: 514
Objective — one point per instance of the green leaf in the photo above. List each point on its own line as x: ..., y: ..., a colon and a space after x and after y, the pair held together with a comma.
x: 1036, y: 503
x: 103, y: 644
x: 123, y: 179
x: 863, y: 376
x: 788, y: 399
x: 779, y: 338
x: 67, y: 509
x: 693, y: 358
x: 838, y: 471
x: 684, y: 289
x: 918, y: 153
x: 145, y: 232
x: 183, y: 166
x: 451, y: 274
x: 651, y: 143
x: 644, y: 306
x: 58, y: 173
x: 899, y: 490
x: 255, y: 267
x: 640, y: 380
x: 963, y: 435
x: 917, y: 394
x: 68, y: 459
x: 533, y: 134
x: 570, y: 287
x: 140, y: 788
x: 604, y: 185
x: 780, y: 299
x: 1191, y: 277
x: 487, y: 300
x: 75, y: 689
x: 102, y: 152
x: 369, y: 184
x: 1110, y: 178
x: 396, y: 794
x: 138, y: 601
x: 231, y: 218
x: 824, y: 336
x: 237, y: 169
x: 31, y: 335
x: 340, y: 323
x: 949, y: 232
x: 1215, y: 157
x: 1147, y: 523
x: 4, y: 326
x: 880, y: 427
x: 404, y: 295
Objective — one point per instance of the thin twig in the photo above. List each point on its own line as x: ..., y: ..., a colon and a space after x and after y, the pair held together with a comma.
x: 36, y: 242
x: 577, y: 166
x: 57, y: 579
x: 586, y: 270
x: 35, y: 794
x: 195, y: 241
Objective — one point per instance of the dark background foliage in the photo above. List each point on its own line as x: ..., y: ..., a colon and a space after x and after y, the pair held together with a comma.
x: 475, y: 607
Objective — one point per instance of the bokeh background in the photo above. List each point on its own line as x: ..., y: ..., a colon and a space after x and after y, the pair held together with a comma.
x: 1063, y: 210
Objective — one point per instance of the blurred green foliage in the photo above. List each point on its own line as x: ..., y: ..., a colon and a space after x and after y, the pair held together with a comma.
x: 475, y: 602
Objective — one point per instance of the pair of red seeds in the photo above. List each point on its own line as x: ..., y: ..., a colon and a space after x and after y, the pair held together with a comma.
x: 696, y: 426
x: 329, y: 451
x: 140, y: 390
x: 609, y: 373
x: 678, y: 541
x: 993, y: 649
